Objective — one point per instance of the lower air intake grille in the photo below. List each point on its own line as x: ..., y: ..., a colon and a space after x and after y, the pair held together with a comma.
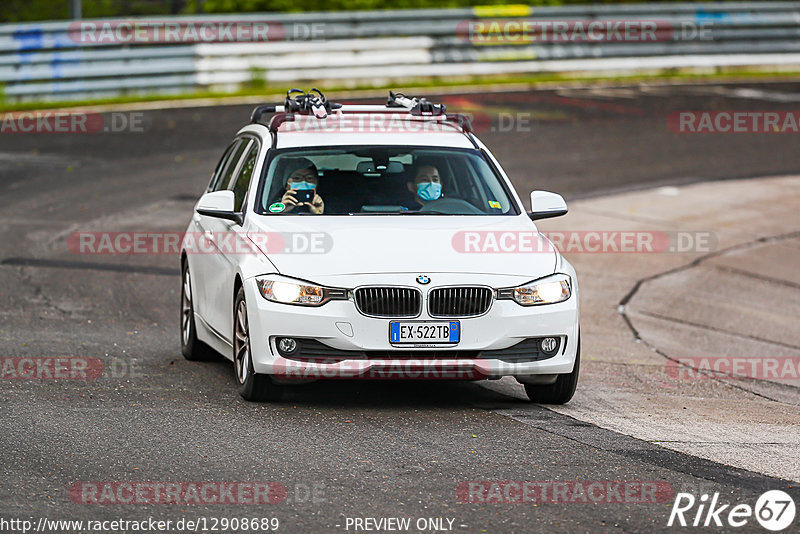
x: 311, y: 350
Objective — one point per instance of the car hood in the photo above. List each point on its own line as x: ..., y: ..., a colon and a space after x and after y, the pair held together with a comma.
x: 317, y: 247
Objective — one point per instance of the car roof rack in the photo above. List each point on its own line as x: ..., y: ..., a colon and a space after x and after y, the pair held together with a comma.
x: 415, y: 106
x: 314, y: 103
x: 304, y: 103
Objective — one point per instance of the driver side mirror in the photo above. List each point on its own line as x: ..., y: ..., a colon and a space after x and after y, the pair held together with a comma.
x: 545, y: 204
x: 219, y: 204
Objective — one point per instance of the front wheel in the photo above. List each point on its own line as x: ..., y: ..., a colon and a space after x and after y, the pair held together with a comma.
x: 562, y: 390
x: 252, y: 386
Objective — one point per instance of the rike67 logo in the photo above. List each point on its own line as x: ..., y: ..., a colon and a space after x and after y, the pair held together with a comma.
x: 774, y: 510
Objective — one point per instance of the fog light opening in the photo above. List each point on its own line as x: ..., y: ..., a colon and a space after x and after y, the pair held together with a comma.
x: 287, y: 346
x: 548, y: 345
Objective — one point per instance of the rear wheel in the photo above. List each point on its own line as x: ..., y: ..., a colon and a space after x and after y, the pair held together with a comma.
x: 252, y: 386
x: 560, y: 391
x: 191, y: 347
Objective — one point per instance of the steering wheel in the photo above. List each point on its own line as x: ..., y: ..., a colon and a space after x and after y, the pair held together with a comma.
x: 451, y: 206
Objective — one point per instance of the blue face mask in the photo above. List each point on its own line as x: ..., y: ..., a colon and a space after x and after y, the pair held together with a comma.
x: 302, y: 186
x: 429, y: 190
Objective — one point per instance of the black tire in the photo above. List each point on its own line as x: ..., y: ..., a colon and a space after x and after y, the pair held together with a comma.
x: 252, y: 386
x: 562, y: 390
x: 192, y: 348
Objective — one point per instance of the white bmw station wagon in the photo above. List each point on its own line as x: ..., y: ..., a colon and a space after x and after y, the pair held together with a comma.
x: 374, y: 242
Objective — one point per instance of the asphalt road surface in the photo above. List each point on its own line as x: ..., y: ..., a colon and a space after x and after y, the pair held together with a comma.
x: 340, y: 450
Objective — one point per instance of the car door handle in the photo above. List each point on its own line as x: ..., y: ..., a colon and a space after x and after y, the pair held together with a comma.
x: 209, y: 235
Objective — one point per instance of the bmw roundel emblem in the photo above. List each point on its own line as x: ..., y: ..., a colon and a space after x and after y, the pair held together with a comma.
x: 422, y: 279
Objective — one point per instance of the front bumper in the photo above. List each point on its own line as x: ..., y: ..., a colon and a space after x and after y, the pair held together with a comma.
x: 339, y: 325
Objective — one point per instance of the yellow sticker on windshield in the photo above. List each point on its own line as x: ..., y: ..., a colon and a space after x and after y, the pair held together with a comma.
x: 495, y: 204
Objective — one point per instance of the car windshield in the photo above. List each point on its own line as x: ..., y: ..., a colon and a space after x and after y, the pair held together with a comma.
x: 382, y: 180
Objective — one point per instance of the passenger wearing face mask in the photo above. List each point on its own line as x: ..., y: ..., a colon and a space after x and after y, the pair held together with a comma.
x: 301, y: 175
x: 427, y: 185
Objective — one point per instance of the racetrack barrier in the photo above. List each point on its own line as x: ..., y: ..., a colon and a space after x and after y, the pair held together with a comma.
x: 173, y: 55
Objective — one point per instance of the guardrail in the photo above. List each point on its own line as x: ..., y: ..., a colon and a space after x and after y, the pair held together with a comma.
x: 99, y: 58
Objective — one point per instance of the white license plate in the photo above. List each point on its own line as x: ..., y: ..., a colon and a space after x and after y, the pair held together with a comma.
x: 433, y: 332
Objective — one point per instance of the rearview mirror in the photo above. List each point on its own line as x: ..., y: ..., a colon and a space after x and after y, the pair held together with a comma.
x: 219, y: 204
x: 368, y: 167
x: 545, y: 204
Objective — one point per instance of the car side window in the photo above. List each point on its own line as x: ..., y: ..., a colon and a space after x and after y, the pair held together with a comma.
x: 215, y: 184
x: 230, y: 165
x: 242, y: 181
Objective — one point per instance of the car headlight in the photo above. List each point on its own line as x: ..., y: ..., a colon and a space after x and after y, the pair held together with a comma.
x: 288, y: 291
x: 547, y: 290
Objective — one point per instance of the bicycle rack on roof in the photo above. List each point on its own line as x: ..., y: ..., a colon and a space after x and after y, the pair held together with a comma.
x: 304, y: 103
x: 314, y: 103
x: 415, y: 106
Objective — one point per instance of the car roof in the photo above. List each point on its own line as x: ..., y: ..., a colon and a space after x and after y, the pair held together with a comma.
x: 370, y: 129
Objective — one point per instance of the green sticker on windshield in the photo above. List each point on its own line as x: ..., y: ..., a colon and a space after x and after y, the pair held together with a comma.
x: 495, y: 204
x: 277, y: 207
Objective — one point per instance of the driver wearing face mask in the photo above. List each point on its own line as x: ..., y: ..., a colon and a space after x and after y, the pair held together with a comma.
x: 302, y: 176
x: 427, y: 185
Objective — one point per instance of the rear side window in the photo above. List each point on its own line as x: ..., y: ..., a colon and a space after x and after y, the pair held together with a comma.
x: 243, y: 178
